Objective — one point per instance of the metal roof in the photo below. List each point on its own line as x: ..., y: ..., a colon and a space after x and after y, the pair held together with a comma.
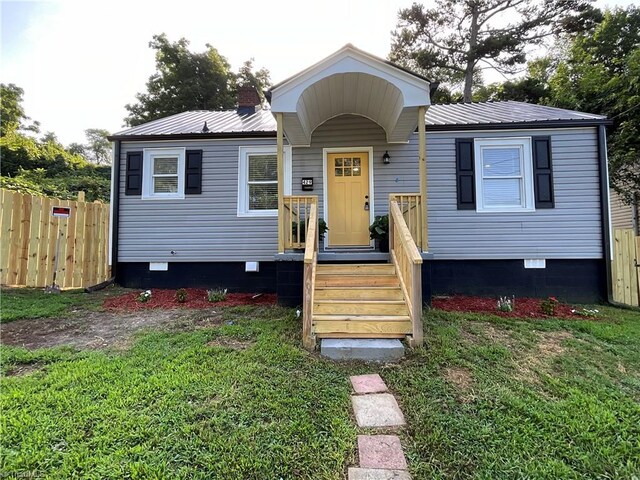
x: 219, y: 123
x: 230, y: 123
x: 508, y: 112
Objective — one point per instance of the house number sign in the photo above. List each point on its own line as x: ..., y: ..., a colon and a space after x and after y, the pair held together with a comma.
x: 307, y: 184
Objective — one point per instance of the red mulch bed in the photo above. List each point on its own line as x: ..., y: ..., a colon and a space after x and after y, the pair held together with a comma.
x: 196, y: 298
x: 525, y: 307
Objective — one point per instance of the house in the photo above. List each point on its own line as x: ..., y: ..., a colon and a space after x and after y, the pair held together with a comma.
x: 501, y: 198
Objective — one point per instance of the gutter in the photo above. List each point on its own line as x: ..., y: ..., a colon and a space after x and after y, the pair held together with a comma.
x: 604, y: 209
x: 115, y: 208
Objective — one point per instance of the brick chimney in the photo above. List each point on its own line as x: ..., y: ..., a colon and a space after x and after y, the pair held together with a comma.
x: 248, y: 100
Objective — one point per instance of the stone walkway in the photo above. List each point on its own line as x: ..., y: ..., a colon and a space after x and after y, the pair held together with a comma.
x: 381, y: 456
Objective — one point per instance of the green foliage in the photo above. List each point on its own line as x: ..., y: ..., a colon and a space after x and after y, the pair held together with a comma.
x: 454, y: 41
x: 12, y: 115
x: 190, y: 81
x: 379, y: 229
x: 43, y: 166
x: 601, y: 74
x: 98, y: 146
x: 181, y: 295
x: 322, y: 229
x: 217, y: 295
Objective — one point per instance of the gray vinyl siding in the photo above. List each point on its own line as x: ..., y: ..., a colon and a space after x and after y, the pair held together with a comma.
x: 570, y: 230
x: 206, y: 227
x: 202, y: 227
x: 621, y: 213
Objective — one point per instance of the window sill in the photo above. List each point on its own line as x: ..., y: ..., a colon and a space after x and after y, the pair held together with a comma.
x: 506, y: 210
x: 168, y: 197
x: 258, y: 214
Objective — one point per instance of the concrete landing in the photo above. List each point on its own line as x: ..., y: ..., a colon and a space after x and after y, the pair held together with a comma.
x: 366, y: 349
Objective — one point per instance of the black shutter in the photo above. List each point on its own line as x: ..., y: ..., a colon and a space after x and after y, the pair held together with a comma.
x: 542, y: 172
x: 133, y: 185
x: 465, y: 180
x: 193, y: 172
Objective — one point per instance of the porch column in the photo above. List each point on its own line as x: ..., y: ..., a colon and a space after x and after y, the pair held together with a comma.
x: 422, y: 163
x: 280, y: 154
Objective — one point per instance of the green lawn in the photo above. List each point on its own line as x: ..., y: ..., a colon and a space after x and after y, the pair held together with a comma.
x: 20, y: 303
x: 487, y: 398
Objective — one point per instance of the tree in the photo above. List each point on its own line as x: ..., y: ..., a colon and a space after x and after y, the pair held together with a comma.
x: 456, y: 40
x: 189, y: 81
x: 532, y: 88
x: 98, y: 148
x: 12, y: 116
x: 601, y: 74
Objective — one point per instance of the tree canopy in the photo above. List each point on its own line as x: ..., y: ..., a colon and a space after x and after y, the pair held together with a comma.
x: 600, y: 73
x: 455, y: 40
x: 185, y: 80
x: 43, y: 166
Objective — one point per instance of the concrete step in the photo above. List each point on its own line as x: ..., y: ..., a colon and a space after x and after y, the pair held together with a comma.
x: 366, y: 349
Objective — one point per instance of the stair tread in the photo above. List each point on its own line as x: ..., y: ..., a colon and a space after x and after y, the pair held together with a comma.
x: 365, y: 302
x: 358, y: 287
x: 364, y: 318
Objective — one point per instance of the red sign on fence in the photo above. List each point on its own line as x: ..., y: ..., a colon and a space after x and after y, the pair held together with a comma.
x: 64, y: 212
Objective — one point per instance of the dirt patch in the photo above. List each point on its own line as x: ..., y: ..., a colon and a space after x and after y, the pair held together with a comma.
x: 95, y: 330
x: 232, y: 343
x: 462, y: 379
x: 24, y: 369
x: 487, y: 331
x: 548, y: 347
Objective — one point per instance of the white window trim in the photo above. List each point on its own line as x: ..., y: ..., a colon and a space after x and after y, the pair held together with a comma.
x: 243, y: 178
x: 527, y: 192
x: 147, y: 171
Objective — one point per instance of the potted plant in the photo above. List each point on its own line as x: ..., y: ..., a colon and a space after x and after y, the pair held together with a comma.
x: 322, y: 229
x: 379, y: 231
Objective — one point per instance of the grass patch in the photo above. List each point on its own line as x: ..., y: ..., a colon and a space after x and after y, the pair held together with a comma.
x: 19, y: 303
x: 238, y: 398
x: 508, y: 398
x: 237, y: 401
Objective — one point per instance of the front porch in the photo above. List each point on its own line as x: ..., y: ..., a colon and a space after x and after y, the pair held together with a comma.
x: 344, y: 294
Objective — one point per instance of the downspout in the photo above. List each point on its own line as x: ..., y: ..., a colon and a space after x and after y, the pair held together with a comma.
x: 115, y: 208
x: 604, y: 208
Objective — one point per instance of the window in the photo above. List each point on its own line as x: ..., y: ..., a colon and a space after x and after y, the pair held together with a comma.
x: 504, y: 175
x: 163, y: 173
x: 258, y: 180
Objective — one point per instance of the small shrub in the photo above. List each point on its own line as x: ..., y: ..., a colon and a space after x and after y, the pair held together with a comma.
x: 217, y: 295
x: 145, y: 296
x: 181, y: 295
x: 506, y: 304
x: 549, y: 306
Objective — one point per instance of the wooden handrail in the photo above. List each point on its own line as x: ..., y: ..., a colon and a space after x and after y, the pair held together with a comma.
x: 408, y: 263
x: 411, y: 208
x: 310, y: 264
x: 296, y: 211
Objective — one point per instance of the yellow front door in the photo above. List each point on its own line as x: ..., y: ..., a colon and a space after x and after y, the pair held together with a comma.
x: 348, y: 199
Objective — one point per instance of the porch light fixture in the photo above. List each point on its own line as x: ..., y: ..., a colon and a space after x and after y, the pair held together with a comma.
x: 386, y: 159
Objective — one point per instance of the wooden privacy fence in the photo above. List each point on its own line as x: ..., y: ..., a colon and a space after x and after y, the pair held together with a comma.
x: 626, y: 258
x: 29, y: 237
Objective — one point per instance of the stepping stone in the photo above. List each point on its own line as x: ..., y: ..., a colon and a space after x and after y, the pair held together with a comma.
x: 368, y: 384
x: 381, y: 451
x: 377, y: 410
x: 377, y: 474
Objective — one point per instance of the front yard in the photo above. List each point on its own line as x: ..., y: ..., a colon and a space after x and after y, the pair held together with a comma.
x: 229, y: 393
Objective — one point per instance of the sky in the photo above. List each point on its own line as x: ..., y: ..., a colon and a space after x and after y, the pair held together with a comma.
x: 81, y: 62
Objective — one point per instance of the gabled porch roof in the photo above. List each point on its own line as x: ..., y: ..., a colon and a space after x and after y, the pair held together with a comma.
x: 350, y: 81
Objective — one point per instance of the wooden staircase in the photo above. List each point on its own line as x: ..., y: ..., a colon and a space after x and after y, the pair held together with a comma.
x: 359, y: 301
